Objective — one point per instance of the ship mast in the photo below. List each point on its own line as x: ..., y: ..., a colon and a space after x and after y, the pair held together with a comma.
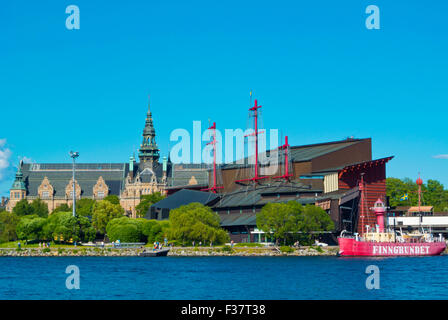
x: 286, y: 175
x: 256, y: 177
x: 213, y: 143
x: 361, y: 188
x: 419, y: 183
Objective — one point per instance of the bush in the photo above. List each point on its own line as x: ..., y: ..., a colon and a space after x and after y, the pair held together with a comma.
x: 125, y: 230
x: 286, y: 249
x: 227, y: 249
x: 45, y: 250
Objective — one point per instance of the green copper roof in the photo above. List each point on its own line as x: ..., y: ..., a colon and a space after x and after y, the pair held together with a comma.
x: 18, y: 183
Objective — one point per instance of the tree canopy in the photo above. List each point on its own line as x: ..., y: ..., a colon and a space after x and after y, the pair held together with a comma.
x: 283, y: 220
x: 84, y: 207
x: 196, y: 222
x: 8, y: 225
x: 146, y: 201
x: 125, y: 229
x: 62, y: 225
x: 36, y: 207
x: 433, y: 193
x: 112, y: 198
x: 103, y: 212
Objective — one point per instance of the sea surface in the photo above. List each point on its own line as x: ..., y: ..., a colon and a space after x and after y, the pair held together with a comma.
x: 223, y: 278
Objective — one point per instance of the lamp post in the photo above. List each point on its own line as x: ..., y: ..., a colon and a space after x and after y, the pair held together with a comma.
x: 74, y: 155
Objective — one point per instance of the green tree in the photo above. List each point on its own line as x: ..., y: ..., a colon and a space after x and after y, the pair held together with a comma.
x: 315, y: 219
x: 64, y: 225
x: 280, y: 219
x: 84, y: 207
x: 125, y: 229
x: 112, y: 199
x: 146, y: 201
x: 155, y: 230
x: 433, y: 193
x: 196, y: 222
x: 8, y: 225
x: 30, y: 227
x: 22, y: 208
x: 62, y: 208
x: 103, y: 212
x: 39, y: 208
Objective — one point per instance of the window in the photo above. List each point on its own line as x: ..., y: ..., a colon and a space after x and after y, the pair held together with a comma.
x: 100, y: 194
x: 45, y: 194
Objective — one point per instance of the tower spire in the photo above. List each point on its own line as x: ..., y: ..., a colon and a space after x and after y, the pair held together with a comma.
x: 18, y: 183
x: 149, y: 152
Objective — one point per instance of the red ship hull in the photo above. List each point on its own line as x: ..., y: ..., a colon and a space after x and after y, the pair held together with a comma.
x: 352, y: 247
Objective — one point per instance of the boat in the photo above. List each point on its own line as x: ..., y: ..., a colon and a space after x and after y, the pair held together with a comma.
x: 154, y: 253
x: 377, y: 241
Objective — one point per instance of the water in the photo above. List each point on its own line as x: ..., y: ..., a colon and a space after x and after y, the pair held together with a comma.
x: 223, y: 278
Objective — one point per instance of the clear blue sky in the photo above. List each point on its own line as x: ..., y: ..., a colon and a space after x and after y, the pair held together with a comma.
x: 318, y: 72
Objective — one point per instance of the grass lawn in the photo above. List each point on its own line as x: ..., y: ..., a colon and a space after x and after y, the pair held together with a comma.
x: 13, y: 245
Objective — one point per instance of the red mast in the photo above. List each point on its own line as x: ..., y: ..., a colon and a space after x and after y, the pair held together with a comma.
x: 213, y: 142
x: 419, y: 182
x: 286, y: 175
x: 256, y: 177
x: 361, y: 189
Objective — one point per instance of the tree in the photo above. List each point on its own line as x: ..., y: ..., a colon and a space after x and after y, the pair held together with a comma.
x: 112, y: 199
x: 280, y: 219
x: 146, y: 201
x: 8, y: 225
x: 22, y: 208
x: 84, y: 207
x: 39, y: 208
x: 155, y: 230
x: 125, y: 229
x: 103, y: 212
x: 285, y: 220
x: 62, y: 208
x: 196, y: 222
x: 315, y: 219
x: 64, y: 225
x: 30, y: 227
x: 433, y: 193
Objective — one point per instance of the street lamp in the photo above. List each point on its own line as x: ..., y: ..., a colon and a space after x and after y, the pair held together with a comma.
x: 74, y: 155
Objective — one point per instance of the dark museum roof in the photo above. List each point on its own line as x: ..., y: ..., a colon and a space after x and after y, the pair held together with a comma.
x: 87, y: 175
x: 114, y: 175
x: 306, y: 152
x: 277, y: 192
x: 184, y: 197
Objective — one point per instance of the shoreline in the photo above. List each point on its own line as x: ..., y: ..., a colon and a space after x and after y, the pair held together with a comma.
x: 304, y: 251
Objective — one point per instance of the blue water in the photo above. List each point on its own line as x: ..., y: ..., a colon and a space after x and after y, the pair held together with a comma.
x: 223, y: 278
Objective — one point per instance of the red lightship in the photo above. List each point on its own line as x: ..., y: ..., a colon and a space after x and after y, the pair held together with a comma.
x: 380, y: 242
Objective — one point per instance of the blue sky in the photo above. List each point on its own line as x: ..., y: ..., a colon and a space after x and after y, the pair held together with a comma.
x: 318, y: 72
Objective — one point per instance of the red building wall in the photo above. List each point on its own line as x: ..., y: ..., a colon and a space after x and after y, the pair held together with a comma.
x: 375, y: 187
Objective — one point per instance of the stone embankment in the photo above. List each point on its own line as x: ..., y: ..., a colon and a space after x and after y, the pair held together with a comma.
x: 176, y: 251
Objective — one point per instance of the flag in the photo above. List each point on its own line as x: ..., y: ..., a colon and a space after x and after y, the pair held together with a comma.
x: 404, y: 197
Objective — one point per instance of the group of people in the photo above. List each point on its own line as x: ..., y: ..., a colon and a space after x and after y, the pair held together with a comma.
x: 158, y: 246
x: 200, y: 243
x: 44, y: 244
